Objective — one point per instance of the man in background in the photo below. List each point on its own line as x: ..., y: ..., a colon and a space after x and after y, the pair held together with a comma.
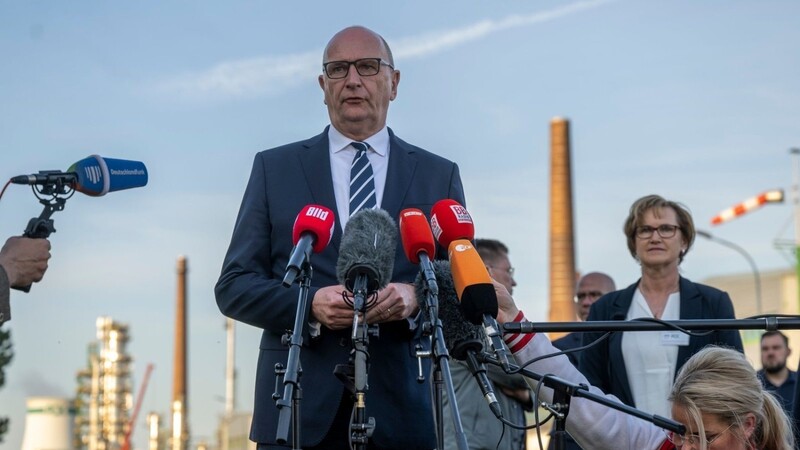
x: 482, y: 428
x: 588, y: 290
x: 774, y: 375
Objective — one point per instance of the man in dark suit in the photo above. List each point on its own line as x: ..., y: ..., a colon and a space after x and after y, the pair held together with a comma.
x: 590, y: 287
x: 358, y: 81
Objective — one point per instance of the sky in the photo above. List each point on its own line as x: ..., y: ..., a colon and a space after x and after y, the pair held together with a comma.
x: 697, y: 101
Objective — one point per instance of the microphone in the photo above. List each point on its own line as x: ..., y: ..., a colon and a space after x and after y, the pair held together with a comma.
x: 463, y: 339
x: 312, y: 230
x: 451, y: 221
x: 367, y: 252
x: 94, y: 176
x: 475, y: 290
x: 418, y: 244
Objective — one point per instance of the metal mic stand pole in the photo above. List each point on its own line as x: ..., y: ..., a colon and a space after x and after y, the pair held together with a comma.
x: 292, y: 392
x: 441, y: 372
x: 362, y: 427
x: 769, y: 323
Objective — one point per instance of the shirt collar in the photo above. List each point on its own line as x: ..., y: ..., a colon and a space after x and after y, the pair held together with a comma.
x: 378, y: 141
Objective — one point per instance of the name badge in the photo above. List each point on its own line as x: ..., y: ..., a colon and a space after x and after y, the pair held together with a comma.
x: 674, y: 338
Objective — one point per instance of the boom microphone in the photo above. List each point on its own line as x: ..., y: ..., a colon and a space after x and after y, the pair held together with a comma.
x: 475, y: 290
x: 418, y: 244
x: 367, y: 251
x: 312, y: 230
x: 95, y: 176
x: 463, y: 339
x: 451, y: 221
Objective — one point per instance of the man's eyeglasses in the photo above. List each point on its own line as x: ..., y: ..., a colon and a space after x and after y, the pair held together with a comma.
x: 580, y: 296
x: 665, y: 231
x: 366, y: 67
x: 510, y: 270
x: 694, y: 439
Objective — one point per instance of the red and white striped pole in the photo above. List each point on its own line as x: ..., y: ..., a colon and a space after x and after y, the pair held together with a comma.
x: 775, y: 196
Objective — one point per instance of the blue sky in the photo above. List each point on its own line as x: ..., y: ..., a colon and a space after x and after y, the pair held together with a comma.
x: 693, y: 100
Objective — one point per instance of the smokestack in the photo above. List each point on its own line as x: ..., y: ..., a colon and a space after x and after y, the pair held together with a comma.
x: 562, y: 252
x: 180, y: 409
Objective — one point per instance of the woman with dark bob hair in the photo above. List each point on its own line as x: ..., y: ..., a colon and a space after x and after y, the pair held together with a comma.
x: 639, y: 368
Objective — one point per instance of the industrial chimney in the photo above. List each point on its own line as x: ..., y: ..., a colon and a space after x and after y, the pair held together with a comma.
x: 180, y: 409
x: 562, y: 252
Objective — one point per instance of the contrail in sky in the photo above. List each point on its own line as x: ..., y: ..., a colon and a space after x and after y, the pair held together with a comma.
x: 274, y: 74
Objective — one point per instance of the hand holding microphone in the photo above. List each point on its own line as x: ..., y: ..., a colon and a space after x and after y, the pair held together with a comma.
x: 94, y: 176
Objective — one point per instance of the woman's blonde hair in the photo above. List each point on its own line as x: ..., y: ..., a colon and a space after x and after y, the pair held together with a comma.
x: 721, y: 382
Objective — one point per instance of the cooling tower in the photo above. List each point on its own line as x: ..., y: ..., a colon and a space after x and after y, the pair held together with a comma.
x: 48, y: 424
x: 562, y: 252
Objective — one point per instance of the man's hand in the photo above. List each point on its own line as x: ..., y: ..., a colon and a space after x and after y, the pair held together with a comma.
x: 506, y: 308
x: 396, y: 301
x: 329, y: 309
x: 24, y: 260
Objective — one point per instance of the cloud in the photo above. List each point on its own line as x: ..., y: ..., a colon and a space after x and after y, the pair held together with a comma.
x: 271, y: 75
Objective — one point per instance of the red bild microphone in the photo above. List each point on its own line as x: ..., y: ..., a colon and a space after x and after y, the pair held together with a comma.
x: 451, y: 221
x: 312, y: 230
x: 317, y: 220
x: 416, y: 234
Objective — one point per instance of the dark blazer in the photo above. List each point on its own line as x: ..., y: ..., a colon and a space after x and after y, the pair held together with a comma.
x: 604, y: 366
x: 568, y: 342
x: 282, y: 182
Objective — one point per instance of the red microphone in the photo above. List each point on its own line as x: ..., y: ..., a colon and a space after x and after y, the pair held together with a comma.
x: 418, y: 244
x: 312, y: 230
x: 416, y: 234
x: 451, y: 221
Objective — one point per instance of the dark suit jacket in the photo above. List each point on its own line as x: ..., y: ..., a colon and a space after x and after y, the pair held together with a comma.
x: 282, y: 182
x: 604, y: 366
x: 568, y: 342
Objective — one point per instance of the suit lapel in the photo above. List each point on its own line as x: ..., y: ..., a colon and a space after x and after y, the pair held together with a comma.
x: 691, y: 308
x: 399, y: 173
x: 619, y: 311
x: 316, y: 162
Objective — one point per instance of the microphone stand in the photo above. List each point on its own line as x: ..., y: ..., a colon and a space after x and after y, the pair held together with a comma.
x: 361, y: 427
x: 289, y: 404
x: 769, y: 323
x: 564, y: 390
x: 441, y: 371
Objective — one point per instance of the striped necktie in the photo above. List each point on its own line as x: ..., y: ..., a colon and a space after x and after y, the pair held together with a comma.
x: 362, y: 180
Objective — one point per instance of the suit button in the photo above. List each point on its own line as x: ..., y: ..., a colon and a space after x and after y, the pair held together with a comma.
x: 343, y: 342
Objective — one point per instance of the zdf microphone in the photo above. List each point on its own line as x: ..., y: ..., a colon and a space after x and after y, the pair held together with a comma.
x: 451, y: 221
x: 95, y: 176
x: 462, y: 339
x: 418, y: 244
x: 475, y: 290
x: 313, y: 228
